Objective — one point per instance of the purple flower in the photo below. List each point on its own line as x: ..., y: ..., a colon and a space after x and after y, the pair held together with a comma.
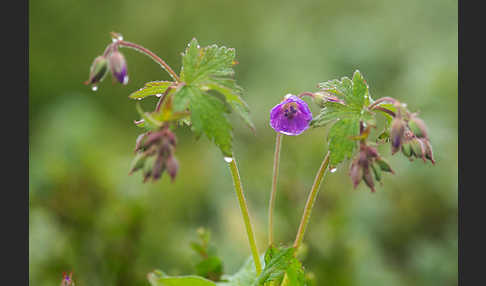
x: 291, y: 116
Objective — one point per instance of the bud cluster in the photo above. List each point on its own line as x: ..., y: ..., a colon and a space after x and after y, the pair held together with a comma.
x: 155, y: 154
x: 112, y: 60
x: 366, y: 162
x: 410, y: 136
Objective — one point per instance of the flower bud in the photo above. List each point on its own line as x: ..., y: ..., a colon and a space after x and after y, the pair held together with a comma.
x: 138, y: 162
x: 377, y: 171
x: 369, y: 179
x: 356, y: 173
x: 98, y: 70
x: 417, y: 126
x: 384, y: 166
x: 418, y: 148
x: 428, y: 151
x: 397, y: 134
x: 407, y: 149
x: 118, y: 66
x: 172, y: 167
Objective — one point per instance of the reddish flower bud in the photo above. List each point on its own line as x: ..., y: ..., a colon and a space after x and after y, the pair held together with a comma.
x: 118, y: 66
x: 368, y: 179
x: 428, y: 151
x: 397, y: 133
x: 98, y: 70
x: 356, y: 173
x: 172, y: 167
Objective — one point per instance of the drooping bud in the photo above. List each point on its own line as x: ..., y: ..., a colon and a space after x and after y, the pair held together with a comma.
x: 172, y: 167
x: 118, y: 66
x: 417, y: 126
x: 155, y: 154
x: 356, y: 173
x: 367, y: 161
x: 418, y: 148
x: 369, y: 179
x: 98, y: 70
x: 397, y: 133
x: 384, y: 166
x: 377, y: 171
x: 428, y: 151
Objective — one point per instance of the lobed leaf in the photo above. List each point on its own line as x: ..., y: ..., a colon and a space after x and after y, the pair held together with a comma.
x: 340, y: 139
x: 151, y: 88
x: 208, y: 117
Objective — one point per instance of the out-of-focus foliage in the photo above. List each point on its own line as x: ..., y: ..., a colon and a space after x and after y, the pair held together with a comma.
x: 87, y: 215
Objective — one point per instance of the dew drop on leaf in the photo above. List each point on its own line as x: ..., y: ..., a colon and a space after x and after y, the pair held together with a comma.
x: 228, y: 159
x: 94, y: 88
x: 158, y: 95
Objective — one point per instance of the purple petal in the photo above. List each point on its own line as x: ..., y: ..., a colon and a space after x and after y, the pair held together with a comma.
x: 291, y: 116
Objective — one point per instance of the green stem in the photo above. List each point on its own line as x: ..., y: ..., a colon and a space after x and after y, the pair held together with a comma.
x: 276, y: 162
x: 246, y: 216
x: 310, y: 202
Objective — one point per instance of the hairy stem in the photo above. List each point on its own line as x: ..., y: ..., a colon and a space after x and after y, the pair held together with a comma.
x: 383, y: 99
x: 246, y: 216
x: 310, y: 202
x: 276, y: 162
x: 147, y: 52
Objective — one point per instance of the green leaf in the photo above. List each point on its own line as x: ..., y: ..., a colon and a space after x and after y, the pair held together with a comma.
x: 296, y: 274
x: 149, y: 122
x: 158, y: 278
x: 340, y: 143
x: 360, y: 95
x: 347, y: 114
x: 211, y: 268
x: 181, y: 98
x: 202, y: 63
x: 151, y: 88
x: 231, y: 92
x: 277, y: 261
x: 208, y: 117
x: 332, y: 112
x: 246, y: 276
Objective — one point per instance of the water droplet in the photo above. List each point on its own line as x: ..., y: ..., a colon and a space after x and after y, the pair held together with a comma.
x: 228, y: 159
x: 288, y: 95
x: 125, y: 79
x: 94, y: 88
x: 158, y: 94
x: 198, y: 46
x: 139, y: 98
x: 333, y: 169
x: 120, y: 38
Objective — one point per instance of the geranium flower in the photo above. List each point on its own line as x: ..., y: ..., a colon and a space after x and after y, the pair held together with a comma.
x: 291, y: 116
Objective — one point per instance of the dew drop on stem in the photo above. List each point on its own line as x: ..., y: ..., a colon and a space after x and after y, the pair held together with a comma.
x: 228, y: 159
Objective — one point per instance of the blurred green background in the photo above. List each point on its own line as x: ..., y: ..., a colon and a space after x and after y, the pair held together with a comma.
x: 87, y: 215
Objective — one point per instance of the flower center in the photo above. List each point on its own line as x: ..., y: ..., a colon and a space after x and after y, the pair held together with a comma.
x: 290, y: 110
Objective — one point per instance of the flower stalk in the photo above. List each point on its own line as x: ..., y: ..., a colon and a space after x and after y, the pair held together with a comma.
x: 246, y: 216
x: 276, y: 163
x: 310, y: 202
